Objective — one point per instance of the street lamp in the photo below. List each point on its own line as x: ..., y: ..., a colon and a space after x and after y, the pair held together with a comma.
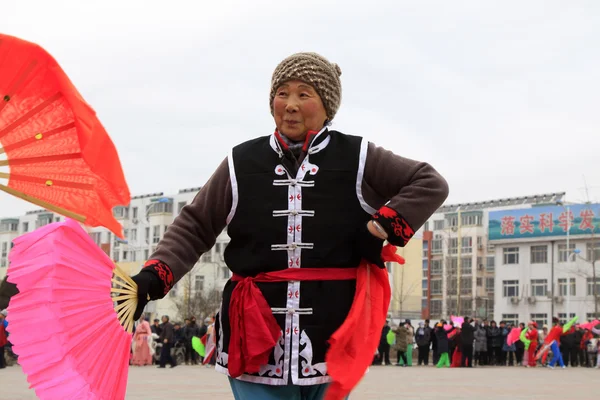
x: 568, y: 210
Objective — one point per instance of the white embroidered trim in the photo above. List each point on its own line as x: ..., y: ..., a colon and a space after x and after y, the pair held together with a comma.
x: 256, y: 379
x: 234, y: 187
x: 364, y: 145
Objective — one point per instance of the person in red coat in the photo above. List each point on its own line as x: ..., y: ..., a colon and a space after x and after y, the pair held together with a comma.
x: 532, y: 334
x: 3, y: 339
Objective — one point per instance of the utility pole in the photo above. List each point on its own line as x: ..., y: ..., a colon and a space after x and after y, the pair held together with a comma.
x: 459, y: 239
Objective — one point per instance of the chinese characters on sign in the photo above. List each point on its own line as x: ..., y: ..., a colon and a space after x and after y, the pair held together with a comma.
x: 545, y: 221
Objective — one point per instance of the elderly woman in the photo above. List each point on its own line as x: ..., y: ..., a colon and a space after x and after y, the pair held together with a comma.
x: 308, y: 210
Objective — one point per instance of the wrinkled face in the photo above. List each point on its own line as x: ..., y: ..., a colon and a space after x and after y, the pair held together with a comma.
x: 297, y: 109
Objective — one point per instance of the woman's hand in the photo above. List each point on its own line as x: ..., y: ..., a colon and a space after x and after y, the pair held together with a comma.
x: 376, y: 230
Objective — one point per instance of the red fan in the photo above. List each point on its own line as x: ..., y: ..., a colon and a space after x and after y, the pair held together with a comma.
x: 54, y: 150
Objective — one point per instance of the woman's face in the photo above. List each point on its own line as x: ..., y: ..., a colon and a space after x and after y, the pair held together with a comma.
x: 297, y: 109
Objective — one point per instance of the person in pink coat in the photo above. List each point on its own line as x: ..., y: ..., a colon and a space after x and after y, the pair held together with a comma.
x: 141, y: 354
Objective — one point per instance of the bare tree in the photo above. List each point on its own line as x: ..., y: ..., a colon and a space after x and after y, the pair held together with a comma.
x: 198, y: 303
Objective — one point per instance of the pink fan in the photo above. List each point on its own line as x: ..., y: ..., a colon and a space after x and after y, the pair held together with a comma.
x: 513, y: 336
x: 458, y: 321
x: 589, y: 325
x: 65, y: 283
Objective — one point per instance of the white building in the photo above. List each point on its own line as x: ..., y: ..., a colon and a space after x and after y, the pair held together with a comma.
x: 461, y: 279
x: 537, y: 275
x: 144, y: 222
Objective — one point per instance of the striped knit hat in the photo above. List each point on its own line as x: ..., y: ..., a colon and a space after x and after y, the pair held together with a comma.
x: 315, y: 70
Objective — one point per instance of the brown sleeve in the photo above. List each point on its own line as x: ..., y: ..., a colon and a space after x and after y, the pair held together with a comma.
x: 195, y: 230
x: 404, y: 192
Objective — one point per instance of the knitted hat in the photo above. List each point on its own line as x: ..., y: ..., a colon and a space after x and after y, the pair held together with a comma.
x: 315, y: 70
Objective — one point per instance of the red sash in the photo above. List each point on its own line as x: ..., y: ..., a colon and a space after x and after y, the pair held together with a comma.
x: 254, y: 330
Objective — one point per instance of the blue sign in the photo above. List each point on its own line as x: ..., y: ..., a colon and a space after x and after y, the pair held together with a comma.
x: 523, y: 223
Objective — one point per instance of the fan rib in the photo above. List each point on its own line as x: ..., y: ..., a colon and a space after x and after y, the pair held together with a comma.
x: 44, y: 204
x: 33, y: 139
x: 28, y: 114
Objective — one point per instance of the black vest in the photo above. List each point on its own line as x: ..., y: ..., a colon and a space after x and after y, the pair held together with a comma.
x: 281, y: 220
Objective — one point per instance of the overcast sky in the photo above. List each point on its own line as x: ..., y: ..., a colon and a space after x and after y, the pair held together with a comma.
x: 502, y: 97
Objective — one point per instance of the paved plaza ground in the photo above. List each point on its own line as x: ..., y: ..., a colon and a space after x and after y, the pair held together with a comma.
x: 514, y: 383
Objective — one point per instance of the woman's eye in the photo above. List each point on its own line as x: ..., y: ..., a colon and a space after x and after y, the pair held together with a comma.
x: 304, y: 95
x: 281, y: 94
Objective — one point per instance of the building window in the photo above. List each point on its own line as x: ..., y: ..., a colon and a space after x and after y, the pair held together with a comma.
x: 562, y: 317
x: 425, y: 248
x: 590, y: 286
x: 134, y: 256
x: 436, y: 267
x: 489, y: 285
x: 466, y: 306
x: 466, y: 265
x: 125, y: 234
x: 593, y: 251
x: 562, y: 287
x: 125, y: 256
x: 134, y: 212
x: 591, y: 316
x: 451, y: 286
x: 146, y: 254
x: 539, y: 254
x: 511, y: 255
x: 466, y: 286
x: 121, y: 212
x: 43, y: 219
x: 490, y: 263
x: 512, y: 319
x: 156, y: 234
x: 451, y: 306
x: 116, y: 255
x: 206, y: 257
x: 96, y: 237
x: 452, y: 220
x: 479, y: 282
x: 224, y: 272
x: 134, y: 235
x: 160, y: 208
x: 438, y: 225
x: 563, y: 254
x: 453, y: 246
x: 426, y: 226
x: 25, y: 227
x: 173, y: 292
x: 539, y: 287
x: 510, y: 288
x: 467, y: 244
x: 452, y: 265
x: 436, y: 246
x: 425, y: 266
x: 540, y: 319
x: 436, y: 308
x: 471, y: 220
x: 436, y: 287
x: 199, y: 283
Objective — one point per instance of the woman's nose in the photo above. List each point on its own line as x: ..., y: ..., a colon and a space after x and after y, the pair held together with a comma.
x: 291, y: 107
